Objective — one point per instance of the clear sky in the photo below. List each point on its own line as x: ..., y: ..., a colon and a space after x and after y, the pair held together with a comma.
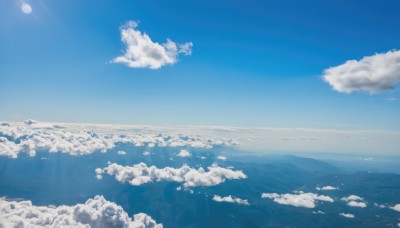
x: 252, y: 63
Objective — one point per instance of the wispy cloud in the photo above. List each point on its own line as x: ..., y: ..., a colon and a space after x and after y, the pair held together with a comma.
x: 373, y: 74
x: 142, y: 52
x: 230, y: 199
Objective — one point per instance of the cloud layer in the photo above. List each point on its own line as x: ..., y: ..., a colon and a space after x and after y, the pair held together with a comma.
x: 142, y: 52
x: 301, y: 199
x: 96, y: 212
x: 33, y: 136
x: 190, y: 177
x: 377, y: 73
x: 230, y: 199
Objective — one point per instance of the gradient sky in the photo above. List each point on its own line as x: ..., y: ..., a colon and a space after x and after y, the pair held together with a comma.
x: 254, y: 63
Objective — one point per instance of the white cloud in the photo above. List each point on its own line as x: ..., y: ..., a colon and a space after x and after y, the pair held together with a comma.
x: 352, y: 198
x: 146, y: 153
x: 326, y: 188
x: 356, y: 204
x: 347, y: 215
x: 121, y: 152
x: 302, y: 199
x: 222, y: 158
x: 33, y: 136
x: 203, y: 157
x: 26, y: 8
x: 96, y: 212
x: 377, y: 73
x: 142, y: 52
x: 396, y: 207
x: 230, y: 199
x: 190, y: 177
x: 184, y: 154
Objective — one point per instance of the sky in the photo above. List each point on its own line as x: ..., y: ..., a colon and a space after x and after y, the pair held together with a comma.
x: 234, y: 63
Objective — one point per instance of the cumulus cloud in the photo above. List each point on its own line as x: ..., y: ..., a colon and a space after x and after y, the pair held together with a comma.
x: 352, y: 198
x: 230, y: 199
x: 301, y: 199
x: 326, y: 188
x: 222, y: 158
x: 184, y: 154
x: 33, y: 136
x: 347, y: 215
x: 356, y: 204
x: 377, y: 73
x: 142, y: 52
x: 140, y: 174
x: 96, y: 212
x: 396, y: 207
x: 146, y: 153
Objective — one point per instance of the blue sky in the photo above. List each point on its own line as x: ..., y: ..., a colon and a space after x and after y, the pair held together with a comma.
x: 253, y: 63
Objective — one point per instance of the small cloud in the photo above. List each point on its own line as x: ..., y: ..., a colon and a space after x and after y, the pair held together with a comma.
x: 142, y: 52
x: 121, y: 152
x: 26, y: 8
x: 396, y: 207
x: 307, y: 200
x: 373, y: 74
x: 230, y: 199
x: 347, y: 215
x: 222, y: 158
x: 356, y: 204
x: 30, y: 122
x: 146, y: 153
x: 326, y: 188
x: 184, y: 154
x: 352, y: 198
x: 203, y: 157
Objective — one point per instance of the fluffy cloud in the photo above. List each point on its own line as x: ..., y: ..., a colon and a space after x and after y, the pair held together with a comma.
x: 96, y: 212
x: 377, y: 73
x: 356, y: 204
x: 396, y: 207
x: 184, y: 154
x: 142, y: 52
x: 33, y: 136
x: 230, y: 199
x: 146, y: 153
x: 301, y: 199
x: 347, y: 215
x: 325, y: 188
x: 352, y: 198
x: 190, y: 177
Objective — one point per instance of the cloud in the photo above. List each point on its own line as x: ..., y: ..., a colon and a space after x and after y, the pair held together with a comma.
x: 352, y: 198
x: 347, y: 215
x: 120, y: 152
x: 96, y: 212
x: 374, y: 74
x: 184, y: 154
x: 140, y: 174
x: 230, y: 199
x: 222, y: 158
x: 146, y: 153
x: 26, y: 8
x: 142, y: 52
x: 326, y: 188
x: 396, y: 207
x: 356, y: 204
x: 33, y: 136
x: 302, y: 199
